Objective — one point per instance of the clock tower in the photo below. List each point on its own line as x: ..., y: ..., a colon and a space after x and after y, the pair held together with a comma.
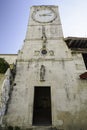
x: 41, y: 68
x: 44, y: 34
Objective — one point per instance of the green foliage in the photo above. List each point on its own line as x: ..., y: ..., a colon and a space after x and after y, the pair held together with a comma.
x: 3, y: 66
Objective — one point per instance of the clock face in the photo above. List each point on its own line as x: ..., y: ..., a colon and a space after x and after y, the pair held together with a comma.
x: 44, y: 15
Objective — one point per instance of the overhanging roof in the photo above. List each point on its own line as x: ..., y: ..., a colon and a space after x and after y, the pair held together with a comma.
x: 76, y: 42
x: 83, y: 76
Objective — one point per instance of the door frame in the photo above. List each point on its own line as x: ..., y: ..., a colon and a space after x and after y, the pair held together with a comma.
x: 34, y: 103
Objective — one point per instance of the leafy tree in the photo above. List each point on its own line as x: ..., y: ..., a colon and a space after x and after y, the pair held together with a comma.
x: 3, y: 66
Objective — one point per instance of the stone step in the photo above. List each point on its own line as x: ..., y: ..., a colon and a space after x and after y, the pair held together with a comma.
x: 44, y: 128
x: 32, y: 128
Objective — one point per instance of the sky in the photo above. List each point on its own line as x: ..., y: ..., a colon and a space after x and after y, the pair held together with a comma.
x: 14, y: 16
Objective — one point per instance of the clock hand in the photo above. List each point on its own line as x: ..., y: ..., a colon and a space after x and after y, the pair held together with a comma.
x: 45, y: 15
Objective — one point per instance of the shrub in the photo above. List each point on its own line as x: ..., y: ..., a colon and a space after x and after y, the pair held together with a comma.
x: 3, y: 66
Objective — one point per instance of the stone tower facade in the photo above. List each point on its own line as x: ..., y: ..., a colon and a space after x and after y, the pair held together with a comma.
x: 47, y: 88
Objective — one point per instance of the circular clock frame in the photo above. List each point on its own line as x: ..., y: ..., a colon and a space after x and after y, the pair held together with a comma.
x: 44, y: 15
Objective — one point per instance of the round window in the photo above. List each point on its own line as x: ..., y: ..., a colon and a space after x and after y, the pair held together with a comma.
x: 44, y: 51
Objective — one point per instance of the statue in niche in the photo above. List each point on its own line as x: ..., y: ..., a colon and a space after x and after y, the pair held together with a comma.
x: 42, y: 73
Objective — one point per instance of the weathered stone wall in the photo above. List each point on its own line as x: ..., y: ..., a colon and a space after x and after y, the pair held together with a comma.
x: 4, y: 93
x: 1, y: 79
x: 68, y: 94
x: 10, y: 58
